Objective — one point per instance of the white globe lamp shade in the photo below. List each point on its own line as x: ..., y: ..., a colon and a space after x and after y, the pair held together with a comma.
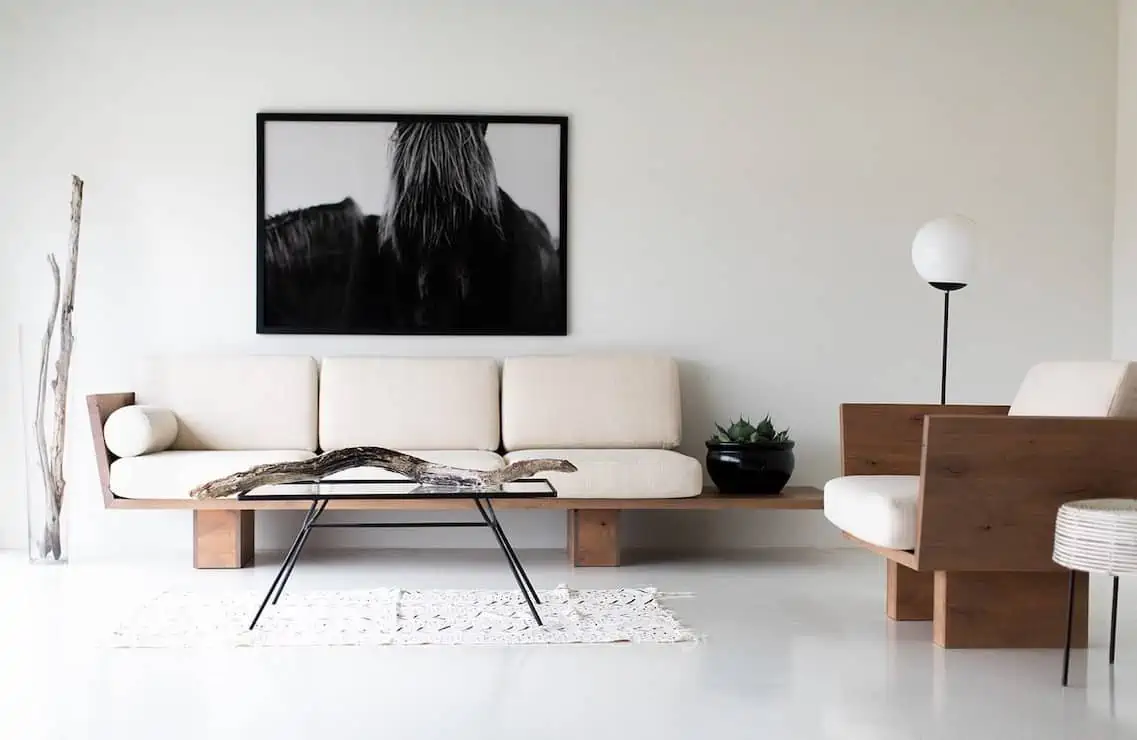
x: 944, y: 251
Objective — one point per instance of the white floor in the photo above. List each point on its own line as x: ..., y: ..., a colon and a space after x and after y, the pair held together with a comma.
x: 796, y: 646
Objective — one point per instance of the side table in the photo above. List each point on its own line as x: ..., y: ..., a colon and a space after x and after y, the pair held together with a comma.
x: 1095, y: 536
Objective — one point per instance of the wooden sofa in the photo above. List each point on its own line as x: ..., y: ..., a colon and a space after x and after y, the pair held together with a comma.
x: 549, y: 406
x: 970, y: 544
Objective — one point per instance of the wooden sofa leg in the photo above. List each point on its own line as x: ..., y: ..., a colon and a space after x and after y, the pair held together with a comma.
x: 1008, y: 610
x: 222, y: 538
x: 594, y: 537
x: 910, y: 594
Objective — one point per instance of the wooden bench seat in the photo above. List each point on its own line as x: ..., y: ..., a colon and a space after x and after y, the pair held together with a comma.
x: 223, y: 528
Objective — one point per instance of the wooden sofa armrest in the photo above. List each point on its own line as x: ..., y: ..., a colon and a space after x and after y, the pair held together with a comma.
x: 990, y: 488
x: 887, y: 438
x: 99, y: 408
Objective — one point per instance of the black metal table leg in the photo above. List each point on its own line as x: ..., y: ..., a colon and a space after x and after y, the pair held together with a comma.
x: 1069, y: 628
x: 313, y: 512
x: 1113, y: 623
x: 515, y: 566
x: 490, y: 517
x: 309, y: 524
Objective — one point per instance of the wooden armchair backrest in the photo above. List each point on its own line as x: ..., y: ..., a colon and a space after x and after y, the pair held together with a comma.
x: 888, y: 439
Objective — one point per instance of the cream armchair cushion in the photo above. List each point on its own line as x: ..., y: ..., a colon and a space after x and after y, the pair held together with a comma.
x: 1078, y: 389
x: 877, y: 509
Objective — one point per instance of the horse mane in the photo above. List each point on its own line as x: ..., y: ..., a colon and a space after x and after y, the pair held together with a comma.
x: 442, y: 180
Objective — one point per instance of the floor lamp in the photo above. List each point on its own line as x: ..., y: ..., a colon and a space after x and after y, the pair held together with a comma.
x: 942, y: 253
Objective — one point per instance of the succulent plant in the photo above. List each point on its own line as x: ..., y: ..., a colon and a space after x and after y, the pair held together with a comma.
x: 742, y: 431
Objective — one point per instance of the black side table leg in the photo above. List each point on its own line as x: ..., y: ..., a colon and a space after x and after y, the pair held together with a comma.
x: 1113, y: 623
x: 1069, y: 628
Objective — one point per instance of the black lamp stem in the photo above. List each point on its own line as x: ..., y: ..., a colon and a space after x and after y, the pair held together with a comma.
x: 943, y: 366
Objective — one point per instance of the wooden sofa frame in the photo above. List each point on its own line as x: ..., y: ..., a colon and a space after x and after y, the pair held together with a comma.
x: 223, y: 529
x: 990, y: 489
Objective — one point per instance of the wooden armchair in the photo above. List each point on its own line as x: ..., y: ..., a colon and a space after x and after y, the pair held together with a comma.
x: 962, y: 500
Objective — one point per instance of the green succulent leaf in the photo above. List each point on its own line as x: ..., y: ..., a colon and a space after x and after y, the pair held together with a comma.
x: 743, y: 431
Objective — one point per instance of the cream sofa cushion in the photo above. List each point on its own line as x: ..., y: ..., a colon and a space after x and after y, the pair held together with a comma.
x: 590, y: 401
x: 410, y: 403
x: 472, y: 459
x: 248, y: 402
x: 627, y: 473
x: 139, y: 430
x: 1078, y: 389
x: 878, y: 509
x: 174, y: 473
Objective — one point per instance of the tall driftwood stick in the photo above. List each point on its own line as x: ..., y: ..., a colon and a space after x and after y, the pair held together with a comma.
x: 66, y: 339
x: 51, y: 458
x: 51, y: 514
x: 412, y: 467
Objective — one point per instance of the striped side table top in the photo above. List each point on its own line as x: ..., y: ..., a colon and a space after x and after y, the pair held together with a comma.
x: 1097, y: 536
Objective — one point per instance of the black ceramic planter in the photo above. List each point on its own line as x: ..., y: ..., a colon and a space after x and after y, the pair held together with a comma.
x: 750, y: 467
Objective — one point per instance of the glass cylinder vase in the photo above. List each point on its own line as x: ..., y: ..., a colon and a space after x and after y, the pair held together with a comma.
x: 43, y: 466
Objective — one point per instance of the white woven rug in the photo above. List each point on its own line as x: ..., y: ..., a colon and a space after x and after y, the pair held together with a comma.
x: 399, y: 617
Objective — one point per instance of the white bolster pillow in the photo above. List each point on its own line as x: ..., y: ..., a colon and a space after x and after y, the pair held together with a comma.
x: 139, y: 430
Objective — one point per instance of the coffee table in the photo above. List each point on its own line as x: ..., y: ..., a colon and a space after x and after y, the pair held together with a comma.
x: 323, y: 493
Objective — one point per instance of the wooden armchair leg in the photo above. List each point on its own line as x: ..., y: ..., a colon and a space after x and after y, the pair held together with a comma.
x: 222, y: 538
x: 1008, y: 610
x: 594, y: 537
x: 910, y: 594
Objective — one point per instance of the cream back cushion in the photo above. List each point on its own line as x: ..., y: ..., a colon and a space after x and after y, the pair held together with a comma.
x: 405, y: 403
x: 1078, y: 389
x: 581, y: 401
x: 241, y: 402
x: 140, y: 430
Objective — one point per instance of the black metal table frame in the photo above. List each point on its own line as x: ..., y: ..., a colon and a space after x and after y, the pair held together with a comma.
x: 480, y: 497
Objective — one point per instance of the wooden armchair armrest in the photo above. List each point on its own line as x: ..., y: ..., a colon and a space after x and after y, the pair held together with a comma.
x: 99, y: 408
x: 990, y: 488
x: 887, y: 438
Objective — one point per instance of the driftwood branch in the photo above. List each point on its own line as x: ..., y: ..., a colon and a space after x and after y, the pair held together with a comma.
x: 66, y: 340
x: 51, y: 457
x: 417, y: 469
x: 42, y: 451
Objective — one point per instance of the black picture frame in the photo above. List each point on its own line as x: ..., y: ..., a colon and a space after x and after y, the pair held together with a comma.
x: 557, y: 316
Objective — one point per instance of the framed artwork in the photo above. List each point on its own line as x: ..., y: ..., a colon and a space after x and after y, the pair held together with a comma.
x: 411, y: 224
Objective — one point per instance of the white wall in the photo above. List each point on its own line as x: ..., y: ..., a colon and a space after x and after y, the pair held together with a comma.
x: 1125, y: 210
x: 746, y: 178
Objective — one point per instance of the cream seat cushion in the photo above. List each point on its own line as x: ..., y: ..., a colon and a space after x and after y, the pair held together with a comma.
x: 621, y: 473
x: 173, y: 474
x: 878, y: 509
x: 472, y: 459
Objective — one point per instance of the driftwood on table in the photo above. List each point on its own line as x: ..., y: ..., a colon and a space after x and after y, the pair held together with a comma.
x: 51, y: 458
x: 414, y: 468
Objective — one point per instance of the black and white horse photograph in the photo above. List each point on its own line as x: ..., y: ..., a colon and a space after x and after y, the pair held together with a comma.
x: 404, y: 224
